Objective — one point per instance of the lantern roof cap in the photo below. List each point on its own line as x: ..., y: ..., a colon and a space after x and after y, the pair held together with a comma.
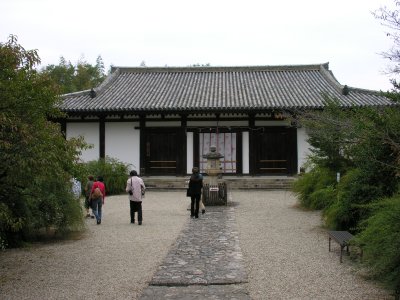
x: 213, y: 154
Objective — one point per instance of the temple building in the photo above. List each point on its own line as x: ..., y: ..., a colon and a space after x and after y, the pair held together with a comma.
x: 163, y: 120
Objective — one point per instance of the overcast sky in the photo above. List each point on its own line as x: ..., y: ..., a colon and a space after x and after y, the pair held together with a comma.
x: 219, y: 32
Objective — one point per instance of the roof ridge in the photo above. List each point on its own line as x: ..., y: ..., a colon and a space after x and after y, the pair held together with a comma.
x: 221, y: 68
x: 80, y: 93
x: 99, y: 89
x: 332, y: 79
x: 367, y: 91
x: 108, y: 81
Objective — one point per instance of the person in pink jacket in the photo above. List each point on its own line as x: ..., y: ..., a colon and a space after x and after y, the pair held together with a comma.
x: 135, y: 188
x: 98, y: 202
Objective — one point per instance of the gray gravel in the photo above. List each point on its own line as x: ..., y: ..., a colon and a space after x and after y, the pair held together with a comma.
x: 287, y: 255
x: 285, y: 250
x: 114, y: 260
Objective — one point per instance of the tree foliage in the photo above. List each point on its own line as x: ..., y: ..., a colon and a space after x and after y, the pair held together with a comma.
x: 113, y: 171
x: 362, y: 139
x: 390, y: 18
x: 381, y: 242
x: 36, y: 162
x: 363, y: 144
x: 329, y: 136
x: 72, y: 78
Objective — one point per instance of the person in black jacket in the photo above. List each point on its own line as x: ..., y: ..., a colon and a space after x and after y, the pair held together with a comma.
x: 195, y: 186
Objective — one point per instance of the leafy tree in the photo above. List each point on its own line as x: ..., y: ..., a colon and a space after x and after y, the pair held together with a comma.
x: 72, y: 78
x: 363, y: 145
x: 376, y: 150
x: 36, y: 162
x: 390, y: 18
x: 329, y: 135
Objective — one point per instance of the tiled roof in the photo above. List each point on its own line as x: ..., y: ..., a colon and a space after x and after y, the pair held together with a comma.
x: 217, y: 89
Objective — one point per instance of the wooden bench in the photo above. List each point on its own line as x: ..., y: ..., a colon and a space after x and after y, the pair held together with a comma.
x: 342, y: 238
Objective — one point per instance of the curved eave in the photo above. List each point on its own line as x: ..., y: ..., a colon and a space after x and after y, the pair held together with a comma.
x: 208, y: 110
x: 174, y: 111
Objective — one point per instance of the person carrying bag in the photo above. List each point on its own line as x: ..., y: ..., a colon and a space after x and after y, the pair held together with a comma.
x: 136, y: 189
x: 97, y: 197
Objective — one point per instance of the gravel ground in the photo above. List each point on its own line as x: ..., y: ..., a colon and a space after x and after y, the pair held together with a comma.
x: 286, y: 252
x: 114, y: 260
x: 285, y: 249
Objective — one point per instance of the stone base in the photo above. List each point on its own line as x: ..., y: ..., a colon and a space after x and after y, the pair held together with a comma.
x: 215, y: 194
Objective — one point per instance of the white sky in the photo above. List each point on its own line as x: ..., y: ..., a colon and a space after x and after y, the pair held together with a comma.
x: 219, y: 32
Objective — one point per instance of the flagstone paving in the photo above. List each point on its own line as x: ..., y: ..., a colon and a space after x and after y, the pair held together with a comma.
x: 205, y: 262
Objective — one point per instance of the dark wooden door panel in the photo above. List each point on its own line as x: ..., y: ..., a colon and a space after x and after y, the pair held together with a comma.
x: 161, y: 153
x: 274, y: 151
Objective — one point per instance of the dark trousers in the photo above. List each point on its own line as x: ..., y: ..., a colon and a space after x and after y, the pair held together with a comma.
x: 194, y: 205
x: 136, y: 207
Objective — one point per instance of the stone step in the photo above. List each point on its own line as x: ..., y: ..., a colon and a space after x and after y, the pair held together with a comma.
x: 242, y: 182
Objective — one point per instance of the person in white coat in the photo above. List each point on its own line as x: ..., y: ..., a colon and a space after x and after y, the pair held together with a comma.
x: 135, y: 188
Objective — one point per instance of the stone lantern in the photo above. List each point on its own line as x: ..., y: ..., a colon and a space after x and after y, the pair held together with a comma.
x: 213, y: 168
x: 214, y: 190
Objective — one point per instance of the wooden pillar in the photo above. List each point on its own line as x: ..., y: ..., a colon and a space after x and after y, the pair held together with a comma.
x: 182, y: 152
x: 196, y: 148
x: 102, y: 142
x: 142, y: 124
x: 239, y: 153
x: 252, y: 160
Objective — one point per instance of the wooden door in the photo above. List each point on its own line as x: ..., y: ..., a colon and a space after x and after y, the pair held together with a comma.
x: 275, y: 151
x: 161, y: 153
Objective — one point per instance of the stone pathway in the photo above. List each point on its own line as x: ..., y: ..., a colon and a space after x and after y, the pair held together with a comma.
x: 205, y: 262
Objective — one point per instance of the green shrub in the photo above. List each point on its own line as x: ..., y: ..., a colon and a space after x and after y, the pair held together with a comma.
x: 114, y: 172
x: 338, y: 215
x: 354, y: 192
x: 47, y: 204
x: 303, y: 187
x: 58, y: 210
x: 381, y: 242
x: 323, y: 198
x: 318, y: 178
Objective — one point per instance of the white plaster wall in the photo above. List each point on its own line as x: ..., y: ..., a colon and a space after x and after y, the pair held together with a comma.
x: 122, y: 141
x: 245, y: 152
x: 303, y: 147
x: 189, y: 153
x: 90, y: 132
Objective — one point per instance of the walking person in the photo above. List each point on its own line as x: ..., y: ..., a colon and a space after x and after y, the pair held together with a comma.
x: 135, y: 187
x: 98, y: 195
x: 201, y: 207
x: 88, y: 190
x: 195, y: 187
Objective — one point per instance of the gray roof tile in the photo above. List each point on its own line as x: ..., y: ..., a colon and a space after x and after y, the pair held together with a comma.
x: 204, y: 89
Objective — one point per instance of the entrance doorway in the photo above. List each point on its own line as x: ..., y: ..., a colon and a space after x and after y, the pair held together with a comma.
x: 226, y: 145
x: 275, y: 150
x: 162, y: 152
